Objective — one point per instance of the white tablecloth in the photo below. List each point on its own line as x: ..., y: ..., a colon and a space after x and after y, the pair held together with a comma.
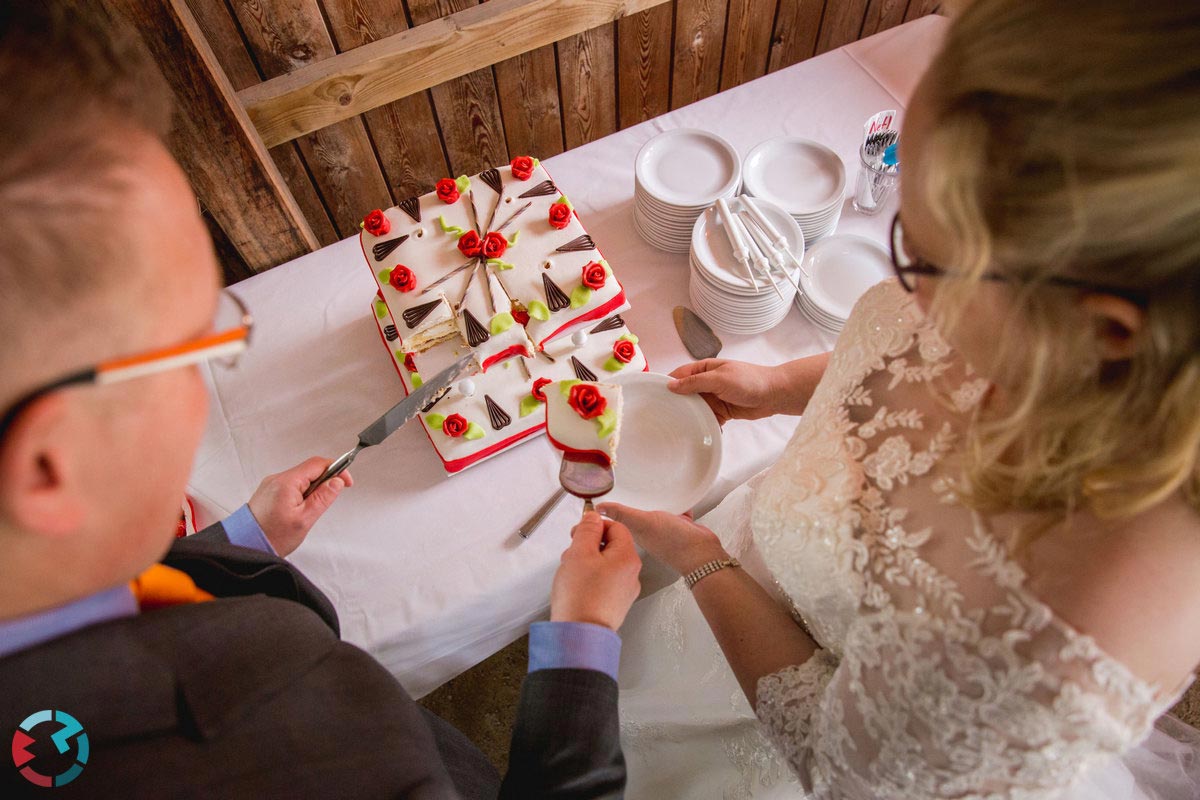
x: 425, y: 570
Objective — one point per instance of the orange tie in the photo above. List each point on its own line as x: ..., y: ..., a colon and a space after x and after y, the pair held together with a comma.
x: 162, y: 586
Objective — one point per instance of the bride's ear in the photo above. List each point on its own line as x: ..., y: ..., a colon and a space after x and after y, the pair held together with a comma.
x: 1117, y: 322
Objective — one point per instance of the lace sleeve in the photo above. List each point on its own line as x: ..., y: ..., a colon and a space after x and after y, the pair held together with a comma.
x: 924, y: 708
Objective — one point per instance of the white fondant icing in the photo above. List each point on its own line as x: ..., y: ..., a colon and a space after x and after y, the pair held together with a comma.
x: 569, y: 431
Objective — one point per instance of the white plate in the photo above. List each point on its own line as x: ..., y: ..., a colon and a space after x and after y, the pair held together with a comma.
x: 712, y: 250
x: 802, y: 176
x: 688, y: 167
x: 840, y: 269
x: 658, y: 241
x: 661, y: 428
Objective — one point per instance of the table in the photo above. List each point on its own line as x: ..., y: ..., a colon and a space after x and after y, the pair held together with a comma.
x: 425, y: 570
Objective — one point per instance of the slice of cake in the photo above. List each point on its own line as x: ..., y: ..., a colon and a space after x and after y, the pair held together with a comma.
x: 583, y: 418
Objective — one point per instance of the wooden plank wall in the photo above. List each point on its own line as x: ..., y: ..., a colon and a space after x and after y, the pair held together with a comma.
x: 540, y: 103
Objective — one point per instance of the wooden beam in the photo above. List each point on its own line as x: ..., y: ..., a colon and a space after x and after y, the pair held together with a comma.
x: 367, y: 77
x: 467, y: 107
x: 413, y: 160
x: 221, y: 32
x: 215, y: 142
x: 287, y: 35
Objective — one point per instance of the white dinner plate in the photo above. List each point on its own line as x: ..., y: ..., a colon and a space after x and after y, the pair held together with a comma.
x: 669, y: 451
x: 840, y: 270
x: 712, y: 250
x: 688, y: 167
x: 801, y: 176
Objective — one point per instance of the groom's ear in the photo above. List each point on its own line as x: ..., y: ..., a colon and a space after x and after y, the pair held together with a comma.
x: 39, y: 491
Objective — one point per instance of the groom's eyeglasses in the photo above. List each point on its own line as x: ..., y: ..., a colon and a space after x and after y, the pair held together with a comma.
x: 232, y: 324
x: 908, y: 265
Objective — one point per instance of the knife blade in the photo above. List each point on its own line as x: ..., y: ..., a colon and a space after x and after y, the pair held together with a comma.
x: 697, y: 337
x: 412, y: 405
x: 395, y: 417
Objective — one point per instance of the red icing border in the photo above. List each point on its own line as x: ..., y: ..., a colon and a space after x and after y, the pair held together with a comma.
x: 599, y: 312
x: 515, y: 350
x: 599, y: 456
x: 457, y: 465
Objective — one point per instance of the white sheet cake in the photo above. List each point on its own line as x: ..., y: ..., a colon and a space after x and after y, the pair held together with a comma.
x: 501, y: 264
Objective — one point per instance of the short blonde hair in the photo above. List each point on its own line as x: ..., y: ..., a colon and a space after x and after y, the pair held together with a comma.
x: 1064, y: 142
x: 74, y: 81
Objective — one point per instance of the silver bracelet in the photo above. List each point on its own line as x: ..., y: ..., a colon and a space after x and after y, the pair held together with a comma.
x: 704, y: 570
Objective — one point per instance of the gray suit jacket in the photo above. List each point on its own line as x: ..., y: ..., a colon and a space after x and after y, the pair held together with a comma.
x: 254, y: 695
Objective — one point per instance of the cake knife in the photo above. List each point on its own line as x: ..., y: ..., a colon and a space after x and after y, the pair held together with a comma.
x: 396, y: 416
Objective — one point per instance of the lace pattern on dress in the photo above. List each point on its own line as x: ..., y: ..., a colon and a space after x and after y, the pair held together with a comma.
x: 943, y: 676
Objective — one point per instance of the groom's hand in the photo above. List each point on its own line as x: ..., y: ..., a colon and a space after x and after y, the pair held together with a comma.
x: 597, y: 581
x: 281, y: 509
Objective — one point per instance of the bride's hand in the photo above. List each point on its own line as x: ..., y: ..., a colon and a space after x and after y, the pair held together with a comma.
x: 673, y: 539
x: 732, y: 389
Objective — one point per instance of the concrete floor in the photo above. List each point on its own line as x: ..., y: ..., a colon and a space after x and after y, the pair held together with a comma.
x: 482, y: 702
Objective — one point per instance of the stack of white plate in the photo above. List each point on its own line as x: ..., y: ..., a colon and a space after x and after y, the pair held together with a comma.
x: 803, y: 177
x: 722, y: 291
x: 677, y: 175
x: 839, y: 270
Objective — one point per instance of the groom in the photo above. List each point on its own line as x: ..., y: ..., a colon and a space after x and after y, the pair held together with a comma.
x: 217, y: 672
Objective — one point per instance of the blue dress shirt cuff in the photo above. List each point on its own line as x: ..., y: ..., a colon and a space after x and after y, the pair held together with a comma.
x: 243, y: 530
x: 574, y: 645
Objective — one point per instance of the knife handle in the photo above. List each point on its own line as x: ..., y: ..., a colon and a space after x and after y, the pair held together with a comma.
x: 336, y: 468
x: 539, y: 515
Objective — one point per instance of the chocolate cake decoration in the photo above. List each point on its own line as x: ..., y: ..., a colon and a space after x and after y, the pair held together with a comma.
x: 447, y: 276
x: 610, y: 324
x: 412, y: 207
x: 492, y: 178
x: 556, y: 299
x: 516, y: 214
x: 578, y: 244
x: 391, y: 333
x: 476, y: 333
x: 414, y: 316
x: 540, y: 190
x: 383, y: 249
x: 582, y: 372
x: 496, y: 414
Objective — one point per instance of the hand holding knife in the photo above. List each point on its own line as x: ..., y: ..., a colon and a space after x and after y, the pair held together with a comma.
x: 430, y: 391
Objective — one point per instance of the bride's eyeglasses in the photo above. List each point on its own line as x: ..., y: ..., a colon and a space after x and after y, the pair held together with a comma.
x: 908, y: 265
x: 232, y: 325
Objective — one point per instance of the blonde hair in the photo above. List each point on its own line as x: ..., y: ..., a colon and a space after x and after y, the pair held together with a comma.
x: 1064, y: 142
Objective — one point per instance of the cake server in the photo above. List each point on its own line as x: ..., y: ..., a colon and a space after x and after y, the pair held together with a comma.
x: 585, y: 478
x: 697, y: 337
x: 535, y: 520
x: 396, y: 416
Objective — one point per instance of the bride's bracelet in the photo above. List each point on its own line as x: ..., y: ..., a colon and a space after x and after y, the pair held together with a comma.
x: 704, y: 570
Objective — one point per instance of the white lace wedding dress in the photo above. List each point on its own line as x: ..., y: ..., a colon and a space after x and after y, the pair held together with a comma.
x: 941, y: 675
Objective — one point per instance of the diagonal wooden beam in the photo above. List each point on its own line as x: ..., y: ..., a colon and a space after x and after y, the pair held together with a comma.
x: 411, y: 61
x: 214, y: 141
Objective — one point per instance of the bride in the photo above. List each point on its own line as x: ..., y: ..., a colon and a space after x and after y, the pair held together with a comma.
x: 975, y: 570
